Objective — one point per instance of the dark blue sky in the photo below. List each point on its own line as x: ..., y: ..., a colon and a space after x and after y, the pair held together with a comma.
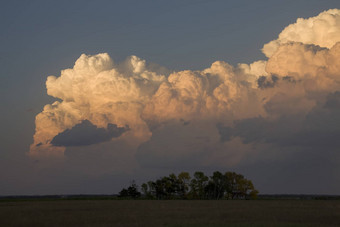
x: 40, y: 38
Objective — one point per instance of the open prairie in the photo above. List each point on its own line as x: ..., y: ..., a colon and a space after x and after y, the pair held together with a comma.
x: 170, y: 213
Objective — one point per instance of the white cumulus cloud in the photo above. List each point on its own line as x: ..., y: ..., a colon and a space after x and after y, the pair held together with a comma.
x: 322, y: 30
x: 302, y: 70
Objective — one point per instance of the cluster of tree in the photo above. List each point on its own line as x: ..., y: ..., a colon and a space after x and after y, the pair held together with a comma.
x: 229, y: 185
x: 131, y: 191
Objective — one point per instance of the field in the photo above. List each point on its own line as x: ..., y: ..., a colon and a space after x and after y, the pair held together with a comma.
x: 170, y: 213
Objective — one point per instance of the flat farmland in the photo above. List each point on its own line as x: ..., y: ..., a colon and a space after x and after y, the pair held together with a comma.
x: 170, y: 213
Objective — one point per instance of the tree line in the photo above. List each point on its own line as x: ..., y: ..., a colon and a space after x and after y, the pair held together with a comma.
x: 229, y: 185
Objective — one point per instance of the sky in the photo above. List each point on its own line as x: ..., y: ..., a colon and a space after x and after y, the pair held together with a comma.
x: 99, y: 93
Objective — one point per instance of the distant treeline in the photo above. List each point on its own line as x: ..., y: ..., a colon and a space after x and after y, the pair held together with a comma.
x: 21, y: 198
x: 297, y: 197
x: 229, y: 185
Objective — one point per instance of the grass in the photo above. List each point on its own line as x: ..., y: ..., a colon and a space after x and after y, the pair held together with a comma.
x: 170, y: 213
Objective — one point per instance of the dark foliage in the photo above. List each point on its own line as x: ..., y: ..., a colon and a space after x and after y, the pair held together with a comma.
x: 229, y: 185
x: 130, y: 192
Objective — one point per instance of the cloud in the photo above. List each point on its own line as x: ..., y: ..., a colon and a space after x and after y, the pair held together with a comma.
x: 317, y: 130
x: 322, y: 30
x: 85, y: 133
x: 100, y: 91
x: 266, y: 82
x: 129, y: 93
x: 223, y: 115
x: 272, y: 119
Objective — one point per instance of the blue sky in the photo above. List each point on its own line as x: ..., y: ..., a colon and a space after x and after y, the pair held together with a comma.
x: 41, y: 38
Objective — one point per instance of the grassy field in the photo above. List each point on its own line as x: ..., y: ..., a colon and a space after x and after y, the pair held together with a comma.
x: 170, y: 213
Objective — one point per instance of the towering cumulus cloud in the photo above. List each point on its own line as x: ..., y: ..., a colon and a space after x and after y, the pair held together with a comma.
x: 100, y: 92
x: 322, y: 30
x: 220, y: 114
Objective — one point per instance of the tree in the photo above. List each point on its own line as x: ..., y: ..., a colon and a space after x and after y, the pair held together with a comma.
x: 216, y: 186
x: 131, y: 191
x: 183, y: 184
x: 237, y: 186
x: 152, y: 188
x: 123, y: 193
x: 147, y: 190
x: 198, y: 184
x: 169, y: 186
x: 229, y: 185
x: 246, y: 189
x: 253, y: 194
